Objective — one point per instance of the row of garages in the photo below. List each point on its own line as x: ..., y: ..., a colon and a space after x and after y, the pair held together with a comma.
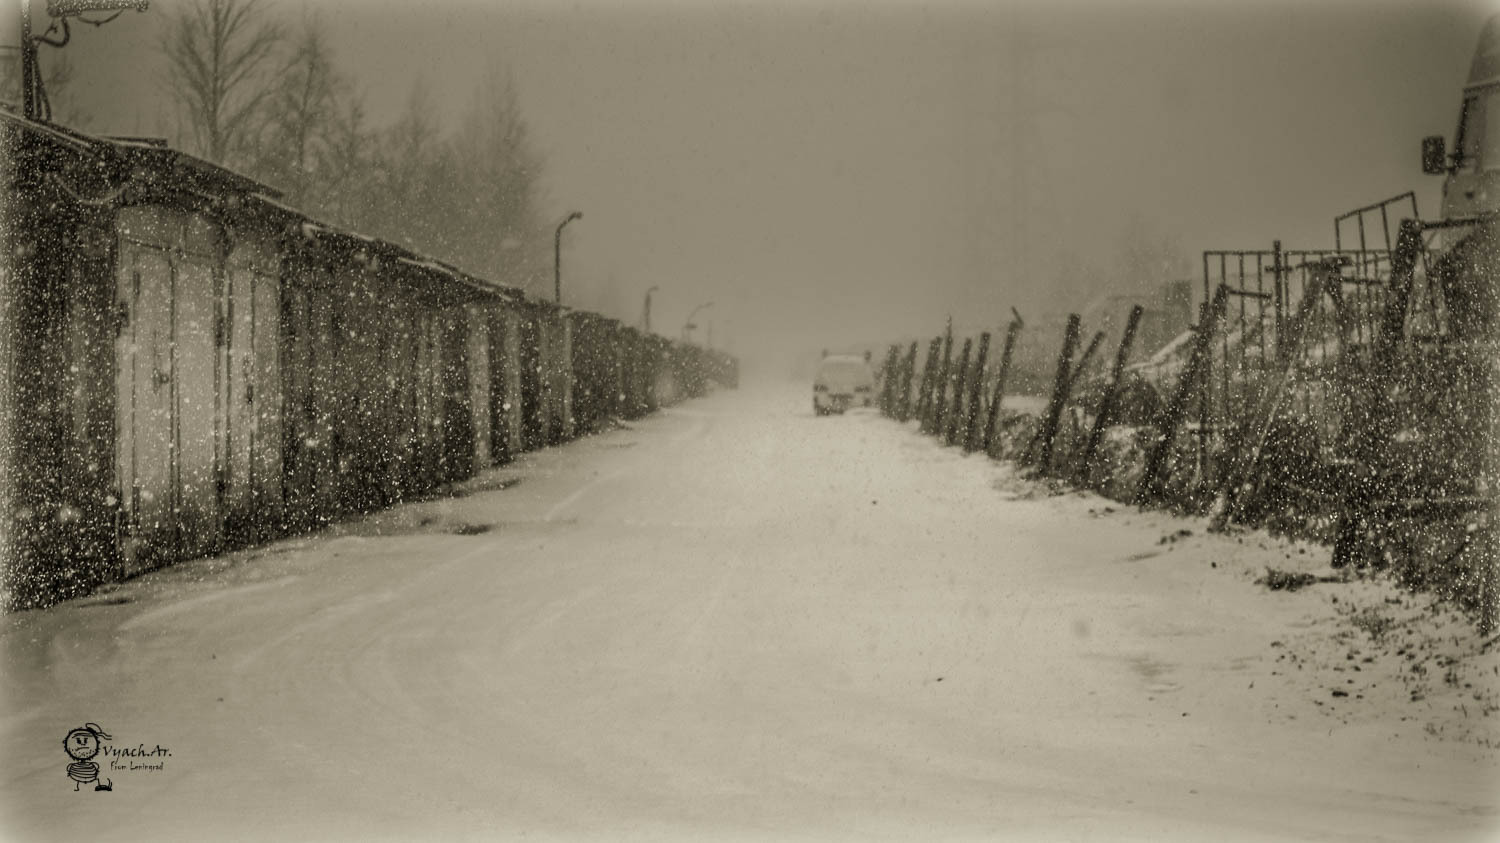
x: 188, y: 365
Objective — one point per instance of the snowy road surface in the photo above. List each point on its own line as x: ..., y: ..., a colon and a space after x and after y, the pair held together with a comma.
x: 730, y: 621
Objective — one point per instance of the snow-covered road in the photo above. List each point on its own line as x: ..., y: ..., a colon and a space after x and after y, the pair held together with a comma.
x: 729, y: 621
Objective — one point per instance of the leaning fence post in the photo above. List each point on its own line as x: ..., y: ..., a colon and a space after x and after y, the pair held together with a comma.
x: 1151, y: 480
x: 920, y: 411
x: 1104, y: 416
x: 976, y: 392
x: 1086, y: 358
x: 1278, y: 271
x: 1364, y: 490
x: 924, y: 392
x: 955, y: 403
x: 940, y: 384
x: 1059, y: 394
x: 935, y: 406
x: 908, y: 368
x: 1238, y: 484
x: 921, y: 403
x: 998, y: 393
x: 888, y: 381
x: 924, y: 407
x: 1488, y: 549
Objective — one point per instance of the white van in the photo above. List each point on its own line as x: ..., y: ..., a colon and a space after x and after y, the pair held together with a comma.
x: 1472, y: 185
x: 843, y: 381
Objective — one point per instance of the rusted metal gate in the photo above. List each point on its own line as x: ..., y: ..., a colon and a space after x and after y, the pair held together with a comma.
x: 477, y: 356
x: 557, y: 354
x: 310, y: 484
x: 505, y: 359
x: 197, y: 456
x: 455, y: 458
x: 251, y: 388
x: 144, y: 445
x: 533, y: 407
x: 172, y: 434
x: 365, y: 431
x: 597, y: 351
x: 1336, y: 298
x: 1420, y: 448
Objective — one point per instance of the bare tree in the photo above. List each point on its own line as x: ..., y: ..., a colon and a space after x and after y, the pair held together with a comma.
x: 403, y: 196
x: 503, y: 235
x: 343, y: 184
x: 56, y: 86
x: 218, y: 53
x: 301, y: 116
x: 468, y: 196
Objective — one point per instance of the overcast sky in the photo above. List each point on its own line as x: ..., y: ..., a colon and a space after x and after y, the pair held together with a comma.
x: 833, y: 171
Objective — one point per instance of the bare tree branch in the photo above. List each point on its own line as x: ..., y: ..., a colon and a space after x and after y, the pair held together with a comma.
x: 218, y: 55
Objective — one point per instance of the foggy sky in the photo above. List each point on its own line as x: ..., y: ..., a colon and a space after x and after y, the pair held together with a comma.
x: 829, y: 172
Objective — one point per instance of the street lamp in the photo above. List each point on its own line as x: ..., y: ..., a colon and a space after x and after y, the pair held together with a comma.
x: 688, y: 325
x: 647, y: 319
x: 557, y: 255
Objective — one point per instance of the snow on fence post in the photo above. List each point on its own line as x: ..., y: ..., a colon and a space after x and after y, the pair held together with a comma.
x: 1103, y: 417
x: 1048, y: 433
x: 1171, y: 417
x: 976, y: 389
x: 949, y: 430
x: 998, y: 393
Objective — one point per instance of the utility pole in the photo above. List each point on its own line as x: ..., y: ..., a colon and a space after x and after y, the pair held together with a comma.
x: 688, y: 326
x: 646, y: 320
x: 557, y: 256
x: 28, y: 64
x: 33, y: 106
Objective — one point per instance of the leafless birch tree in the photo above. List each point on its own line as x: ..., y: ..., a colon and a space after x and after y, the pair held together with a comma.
x: 301, y: 117
x: 218, y: 55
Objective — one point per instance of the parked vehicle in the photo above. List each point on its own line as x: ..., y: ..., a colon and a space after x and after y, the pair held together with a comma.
x: 843, y: 381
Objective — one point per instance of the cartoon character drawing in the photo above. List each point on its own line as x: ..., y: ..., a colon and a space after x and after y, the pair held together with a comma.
x: 82, y: 744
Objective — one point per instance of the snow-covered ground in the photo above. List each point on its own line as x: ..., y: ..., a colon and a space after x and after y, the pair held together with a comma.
x: 738, y: 621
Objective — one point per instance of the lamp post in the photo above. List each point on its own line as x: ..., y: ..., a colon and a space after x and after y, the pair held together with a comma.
x: 557, y: 255
x: 688, y: 325
x: 647, y: 319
